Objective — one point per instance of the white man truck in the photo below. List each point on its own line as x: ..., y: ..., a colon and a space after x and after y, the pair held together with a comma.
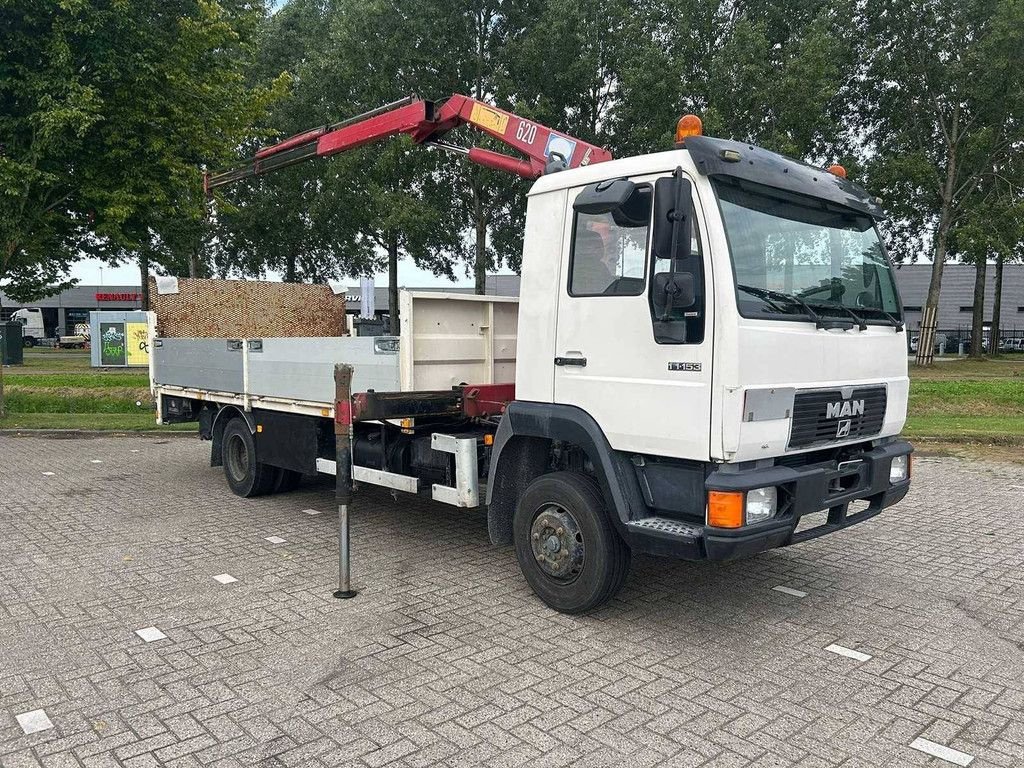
x: 706, y: 360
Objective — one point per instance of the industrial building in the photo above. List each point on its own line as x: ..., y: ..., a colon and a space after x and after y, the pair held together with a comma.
x: 956, y: 301
x: 64, y: 310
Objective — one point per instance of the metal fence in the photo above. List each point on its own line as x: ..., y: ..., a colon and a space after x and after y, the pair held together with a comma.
x: 957, y: 341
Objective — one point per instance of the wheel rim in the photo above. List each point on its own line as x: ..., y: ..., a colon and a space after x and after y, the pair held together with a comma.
x: 238, y: 458
x: 557, y: 543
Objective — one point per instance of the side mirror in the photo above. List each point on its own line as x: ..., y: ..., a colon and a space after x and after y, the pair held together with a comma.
x: 603, y: 197
x: 673, y: 201
x: 677, y: 285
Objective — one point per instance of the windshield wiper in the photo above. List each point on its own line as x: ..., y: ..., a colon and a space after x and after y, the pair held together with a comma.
x: 768, y: 293
x: 861, y: 322
x: 893, y: 321
x: 896, y: 322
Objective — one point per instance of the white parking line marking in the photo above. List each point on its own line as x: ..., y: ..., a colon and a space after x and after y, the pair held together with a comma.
x: 942, y: 752
x: 276, y: 540
x: 790, y: 591
x: 34, y: 721
x: 848, y: 652
x: 1018, y: 487
x: 311, y: 512
x: 49, y: 474
x: 150, y: 634
x: 225, y: 578
x: 95, y: 461
x: 135, y: 450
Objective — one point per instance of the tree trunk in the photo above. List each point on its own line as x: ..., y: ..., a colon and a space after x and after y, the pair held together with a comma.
x: 396, y: 321
x: 997, y: 306
x: 193, y: 262
x: 144, y: 275
x: 289, y: 267
x: 978, y: 319
x: 480, y: 263
x: 926, y: 341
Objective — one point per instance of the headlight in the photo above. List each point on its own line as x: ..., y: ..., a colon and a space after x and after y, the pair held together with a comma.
x: 761, y: 504
x: 899, y: 469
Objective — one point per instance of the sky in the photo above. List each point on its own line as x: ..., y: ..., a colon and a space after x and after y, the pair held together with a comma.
x: 94, y: 272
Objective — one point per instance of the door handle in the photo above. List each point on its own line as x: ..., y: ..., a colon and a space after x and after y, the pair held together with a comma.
x: 578, y: 361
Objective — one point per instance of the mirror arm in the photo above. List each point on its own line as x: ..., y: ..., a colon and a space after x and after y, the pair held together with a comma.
x: 670, y: 289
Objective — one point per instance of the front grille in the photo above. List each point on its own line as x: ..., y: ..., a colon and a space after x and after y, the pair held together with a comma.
x: 820, y: 416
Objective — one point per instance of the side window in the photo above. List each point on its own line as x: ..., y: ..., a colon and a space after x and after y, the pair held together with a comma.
x: 676, y: 319
x: 609, y: 250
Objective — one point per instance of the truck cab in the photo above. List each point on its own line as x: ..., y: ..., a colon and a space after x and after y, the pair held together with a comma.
x: 717, y: 333
x: 33, y: 328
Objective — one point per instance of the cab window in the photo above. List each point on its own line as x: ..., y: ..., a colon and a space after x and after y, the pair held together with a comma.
x: 609, y: 250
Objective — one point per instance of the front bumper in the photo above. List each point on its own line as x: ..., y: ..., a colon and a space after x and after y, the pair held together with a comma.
x: 802, y: 491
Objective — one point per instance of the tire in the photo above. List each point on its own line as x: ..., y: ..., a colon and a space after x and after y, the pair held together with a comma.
x: 287, y: 480
x: 246, y: 476
x: 28, y: 342
x: 585, y: 561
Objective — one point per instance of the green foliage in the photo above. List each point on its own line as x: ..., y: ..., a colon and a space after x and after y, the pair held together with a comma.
x: 772, y: 73
x: 943, y: 104
x: 608, y: 71
x: 107, y: 111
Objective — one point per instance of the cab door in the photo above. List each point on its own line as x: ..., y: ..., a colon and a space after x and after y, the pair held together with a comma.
x: 637, y: 362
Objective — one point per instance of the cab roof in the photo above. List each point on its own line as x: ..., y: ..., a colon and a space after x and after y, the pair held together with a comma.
x: 717, y: 158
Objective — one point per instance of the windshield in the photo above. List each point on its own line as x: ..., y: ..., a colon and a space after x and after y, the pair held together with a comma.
x: 821, y: 257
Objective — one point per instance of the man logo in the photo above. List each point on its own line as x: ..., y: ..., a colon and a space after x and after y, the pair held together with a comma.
x: 844, y: 429
x: 844, y: 408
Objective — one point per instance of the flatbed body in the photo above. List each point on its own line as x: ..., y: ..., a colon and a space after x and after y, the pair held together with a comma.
x: 448, y: 339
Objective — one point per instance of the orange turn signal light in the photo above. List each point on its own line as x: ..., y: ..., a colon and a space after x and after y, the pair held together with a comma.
x: 688, y: 125
x: 725, y: 509
x: 837, y: 170
x: 488, y: 439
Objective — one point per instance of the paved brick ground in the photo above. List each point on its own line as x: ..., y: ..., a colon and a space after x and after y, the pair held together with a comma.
x: 446, y: 657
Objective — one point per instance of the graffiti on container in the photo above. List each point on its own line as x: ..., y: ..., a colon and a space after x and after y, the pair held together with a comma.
x: 138, y: 343
x: 112, y: 339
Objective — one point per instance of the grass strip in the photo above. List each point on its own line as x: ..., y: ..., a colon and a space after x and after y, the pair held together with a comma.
x: 80, y: 380
x: 957, y: 428
x: 19, y: 402
x: 114, y: 422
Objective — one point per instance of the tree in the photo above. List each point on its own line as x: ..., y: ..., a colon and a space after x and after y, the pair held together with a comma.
x: 774, y: 73
x: 297, y: 221
x: 375, y: 54
x: 381, y: 50
x: 942, y: 106
x: 47, y: 109
x: 189, y: 106
x: 107, y: 110
x: 347, y: 215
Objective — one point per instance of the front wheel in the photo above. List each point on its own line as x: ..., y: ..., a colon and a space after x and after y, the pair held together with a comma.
x: 568, y: 550
x: 28, y: 342
x: 245, y: 475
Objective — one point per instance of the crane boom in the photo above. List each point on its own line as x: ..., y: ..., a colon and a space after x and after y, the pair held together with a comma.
x: 426, y: 123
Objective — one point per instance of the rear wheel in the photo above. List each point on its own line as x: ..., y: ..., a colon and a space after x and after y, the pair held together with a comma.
x: 245, y: 475
x: 29, y: 341
x: 568, y: 550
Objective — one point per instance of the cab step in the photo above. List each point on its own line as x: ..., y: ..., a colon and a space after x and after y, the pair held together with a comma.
x: 665, y: 536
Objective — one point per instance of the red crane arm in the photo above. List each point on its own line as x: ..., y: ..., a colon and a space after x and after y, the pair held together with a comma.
x: 426, y: 123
